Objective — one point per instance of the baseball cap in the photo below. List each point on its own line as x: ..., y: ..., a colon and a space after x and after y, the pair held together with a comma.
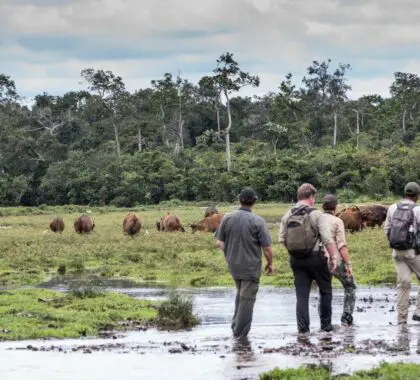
x: 330, y: 200
x: 247, y: 196
x: 412, y: 188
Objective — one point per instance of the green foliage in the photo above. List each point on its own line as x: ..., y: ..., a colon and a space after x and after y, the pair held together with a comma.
x: 112, y: 147
x: 385, y: 371
x: 38, y: 313
x: 176, y: 313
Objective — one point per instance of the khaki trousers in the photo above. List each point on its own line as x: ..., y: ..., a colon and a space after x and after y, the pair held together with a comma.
x: 406, y: 263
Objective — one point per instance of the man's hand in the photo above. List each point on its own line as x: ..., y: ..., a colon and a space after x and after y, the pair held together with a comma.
x: 268, y: 268
x: 333, y: 264
x: 349, y: 270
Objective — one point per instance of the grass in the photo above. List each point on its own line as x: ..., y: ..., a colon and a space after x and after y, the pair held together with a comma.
x: 40, y: 313
x: 176, y: 313
x: 31, y: 254
x: 385, y: 371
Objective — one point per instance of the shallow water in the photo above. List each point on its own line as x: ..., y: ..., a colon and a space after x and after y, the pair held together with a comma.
x: 209, y: 352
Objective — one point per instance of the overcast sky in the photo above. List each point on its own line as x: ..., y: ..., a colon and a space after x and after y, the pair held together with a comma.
x: 45, y: 43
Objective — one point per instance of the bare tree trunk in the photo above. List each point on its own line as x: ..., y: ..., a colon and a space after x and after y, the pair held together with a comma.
x: 335, y: 130
x: 357, y: 128
x: 275, y: 141
x: 165, y: 139
x: 139, y: 139
x: 218, y: 119
x: 403, y: 120
x: 181, y: 124
x: 227, y: 133
x: 117, y: 139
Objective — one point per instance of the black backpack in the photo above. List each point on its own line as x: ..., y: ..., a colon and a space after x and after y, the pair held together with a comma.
x: 401, y: 231
x: 301, y: 236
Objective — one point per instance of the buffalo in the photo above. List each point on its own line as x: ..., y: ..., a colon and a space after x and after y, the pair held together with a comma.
x: 169, y: 223
x: 352, y: 218
x: 57, y: 225
x: 208, y: 224
x: 131, y: 224
x: 211, y: 211
x: 84, y: 225
x: 374, y: 215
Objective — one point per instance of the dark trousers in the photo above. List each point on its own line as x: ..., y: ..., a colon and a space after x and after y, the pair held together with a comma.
x: 246, y: 293
x: 314, y: 267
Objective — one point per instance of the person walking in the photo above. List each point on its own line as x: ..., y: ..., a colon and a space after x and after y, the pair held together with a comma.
x: 305, y: 232
x: 344, y: 272
x: 402, y: 228
x: 242, y: 235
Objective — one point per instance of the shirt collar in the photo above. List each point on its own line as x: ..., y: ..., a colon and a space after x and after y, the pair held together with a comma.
x: 245, y: 209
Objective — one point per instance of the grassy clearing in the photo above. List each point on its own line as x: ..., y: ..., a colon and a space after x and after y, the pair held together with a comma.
x: 385, y: 371
x: 30, y: 253
x: 40, y: 313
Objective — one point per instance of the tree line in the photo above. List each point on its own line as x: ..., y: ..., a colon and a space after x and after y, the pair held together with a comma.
x: 201, y: 141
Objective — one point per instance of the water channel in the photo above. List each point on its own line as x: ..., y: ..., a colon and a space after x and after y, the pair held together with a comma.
x: 209, y: 352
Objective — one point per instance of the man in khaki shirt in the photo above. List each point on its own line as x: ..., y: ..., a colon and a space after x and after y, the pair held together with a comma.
x: 343, y: 271
x: 406, y: 261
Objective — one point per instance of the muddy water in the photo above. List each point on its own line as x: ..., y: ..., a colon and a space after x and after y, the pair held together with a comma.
x: 209, y: 352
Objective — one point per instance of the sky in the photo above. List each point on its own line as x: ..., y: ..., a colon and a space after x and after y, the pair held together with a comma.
x: 44, y: 44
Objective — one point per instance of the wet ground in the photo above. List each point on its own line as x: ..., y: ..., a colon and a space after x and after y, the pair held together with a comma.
x: 209, y: 352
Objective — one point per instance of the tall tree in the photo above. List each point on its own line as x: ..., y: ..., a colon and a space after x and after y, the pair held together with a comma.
x: 230, y: 78
x: 109, y: 88
x: 210, y: 91
x: 327, y: 90
x: 406, y: 90
x: 7, y: 89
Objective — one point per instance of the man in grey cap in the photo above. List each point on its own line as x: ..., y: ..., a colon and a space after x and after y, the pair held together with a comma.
x: 402, y: 226
x: 241, y: 237
x: 343, y: 272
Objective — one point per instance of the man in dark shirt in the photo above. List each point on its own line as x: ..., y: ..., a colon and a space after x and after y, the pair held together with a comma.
x: 241, y: 236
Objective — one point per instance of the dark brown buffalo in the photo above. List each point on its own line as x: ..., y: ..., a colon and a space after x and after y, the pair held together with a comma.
x: 352, y: 218
x: 131, y: 224
x: 374, y: 215
x: 84, y: 225
x: 170, y: 223
x: 209, y: 224
x: 211, y: 211
x: 57, y: 225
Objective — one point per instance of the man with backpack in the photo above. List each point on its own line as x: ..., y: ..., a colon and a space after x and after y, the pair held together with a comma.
x: 402, y: 228
x: 305, y: 232
x: 344, y: 272
x: 243, y: 237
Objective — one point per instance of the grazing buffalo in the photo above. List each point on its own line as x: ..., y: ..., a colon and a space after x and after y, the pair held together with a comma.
x: 211, y: 211
x: 169, y: 223
x: 208, y: 224
x: 84, y: 225
x: 352, y: 218
x: 57, y: 225
x: 131, y: 224
x: 374, y: 215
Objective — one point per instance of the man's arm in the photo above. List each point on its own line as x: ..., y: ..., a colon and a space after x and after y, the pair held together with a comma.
x: 268, y: 253
x: 387, y: 224
x: 326, y: 238
x: 282, y: 231
x: 221, y: 245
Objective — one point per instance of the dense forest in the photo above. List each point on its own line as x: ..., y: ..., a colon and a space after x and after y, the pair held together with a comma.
x: 201, y: 141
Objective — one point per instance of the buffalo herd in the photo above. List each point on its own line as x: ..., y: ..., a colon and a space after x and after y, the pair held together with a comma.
x: 355, y: 219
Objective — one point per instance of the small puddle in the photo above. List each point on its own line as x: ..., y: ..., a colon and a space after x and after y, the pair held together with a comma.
x: 209, y: 352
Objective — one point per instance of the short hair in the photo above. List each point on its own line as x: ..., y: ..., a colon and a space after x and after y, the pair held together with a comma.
x: 305, y: 191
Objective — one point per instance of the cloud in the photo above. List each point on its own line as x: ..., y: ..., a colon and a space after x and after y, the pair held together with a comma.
x: 45, y: 43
